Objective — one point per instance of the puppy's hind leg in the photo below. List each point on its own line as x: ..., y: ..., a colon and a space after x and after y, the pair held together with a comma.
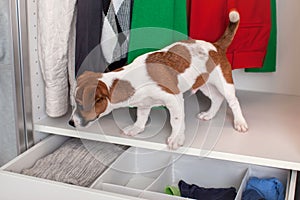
x: 139, y: 125
x: 228, y: 91
x: 240, y: 123
x: 216, y: 100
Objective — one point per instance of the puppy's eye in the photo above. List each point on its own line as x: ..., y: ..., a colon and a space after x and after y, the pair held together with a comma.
x: 99, y: 99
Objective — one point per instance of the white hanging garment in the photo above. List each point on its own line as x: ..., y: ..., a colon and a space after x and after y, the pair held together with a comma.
x: 56, y: 49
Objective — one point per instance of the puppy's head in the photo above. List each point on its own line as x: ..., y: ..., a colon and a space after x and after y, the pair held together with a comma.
x: 92, y: 99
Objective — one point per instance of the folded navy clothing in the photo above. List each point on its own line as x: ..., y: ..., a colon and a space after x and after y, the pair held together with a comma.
x: 200, y: 193
x: 252, y: 195
x: 270, y: 188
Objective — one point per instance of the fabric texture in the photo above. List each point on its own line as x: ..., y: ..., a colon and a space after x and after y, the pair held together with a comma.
x: 89, y: 55
x: 270, y: 189
x: 200, y: 193
x: 115, y: 32
x: 270, y: 59
x: 102, y: 35
x: 252, y: 195
x: 56, y: 32
x: 77, y: 162
x: 208, y: 21
x: 71, y: 60
x: 156, y: 24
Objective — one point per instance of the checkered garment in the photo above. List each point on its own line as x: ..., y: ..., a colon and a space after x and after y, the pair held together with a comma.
x: 115, y: 31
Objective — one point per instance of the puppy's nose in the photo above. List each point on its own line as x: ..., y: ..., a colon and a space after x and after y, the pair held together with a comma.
x: 71, y: 123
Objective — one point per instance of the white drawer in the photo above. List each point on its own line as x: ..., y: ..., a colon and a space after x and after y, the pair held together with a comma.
x: 17, y: 186
x: 168, y: 169
x: 112, y: 183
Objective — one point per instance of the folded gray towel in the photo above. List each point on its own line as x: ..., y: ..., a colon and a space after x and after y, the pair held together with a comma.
x: 77, y: 162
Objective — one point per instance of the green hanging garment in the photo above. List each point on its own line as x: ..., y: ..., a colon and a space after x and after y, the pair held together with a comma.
x: 156, y: 24
x: 270, y: 59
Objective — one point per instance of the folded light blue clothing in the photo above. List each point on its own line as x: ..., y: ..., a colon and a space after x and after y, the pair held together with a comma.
x: 270, y: 189
x: 252, y: 195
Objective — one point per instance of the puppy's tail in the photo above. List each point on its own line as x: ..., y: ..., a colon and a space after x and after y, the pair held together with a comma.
x: 226, y: 39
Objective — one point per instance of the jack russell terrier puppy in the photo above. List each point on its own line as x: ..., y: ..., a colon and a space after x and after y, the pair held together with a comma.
x: 160, y: 78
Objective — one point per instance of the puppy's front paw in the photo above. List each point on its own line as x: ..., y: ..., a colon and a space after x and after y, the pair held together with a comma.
x: 175, y: 141
x: 132, y: 130
x: 241, y: 126
x: 205, y: 116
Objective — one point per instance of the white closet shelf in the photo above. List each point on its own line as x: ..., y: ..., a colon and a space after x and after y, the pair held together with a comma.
x: 273, y: 138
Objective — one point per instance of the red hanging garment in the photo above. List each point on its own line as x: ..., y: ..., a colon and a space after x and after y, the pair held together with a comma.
x: 209, y: 18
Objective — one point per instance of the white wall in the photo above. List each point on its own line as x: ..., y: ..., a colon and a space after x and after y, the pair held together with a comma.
x: 287, y: 77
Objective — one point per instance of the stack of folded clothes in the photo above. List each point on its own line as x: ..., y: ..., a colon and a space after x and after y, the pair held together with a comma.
x: 260, y: 189
x: 77, y: 162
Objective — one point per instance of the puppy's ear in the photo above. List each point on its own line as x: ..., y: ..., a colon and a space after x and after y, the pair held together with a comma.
x: 87, y: 77
x: 86, y: 89
x: 88, y: 97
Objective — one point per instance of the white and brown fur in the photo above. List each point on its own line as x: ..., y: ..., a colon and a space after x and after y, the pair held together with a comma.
x: 160, y: 78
